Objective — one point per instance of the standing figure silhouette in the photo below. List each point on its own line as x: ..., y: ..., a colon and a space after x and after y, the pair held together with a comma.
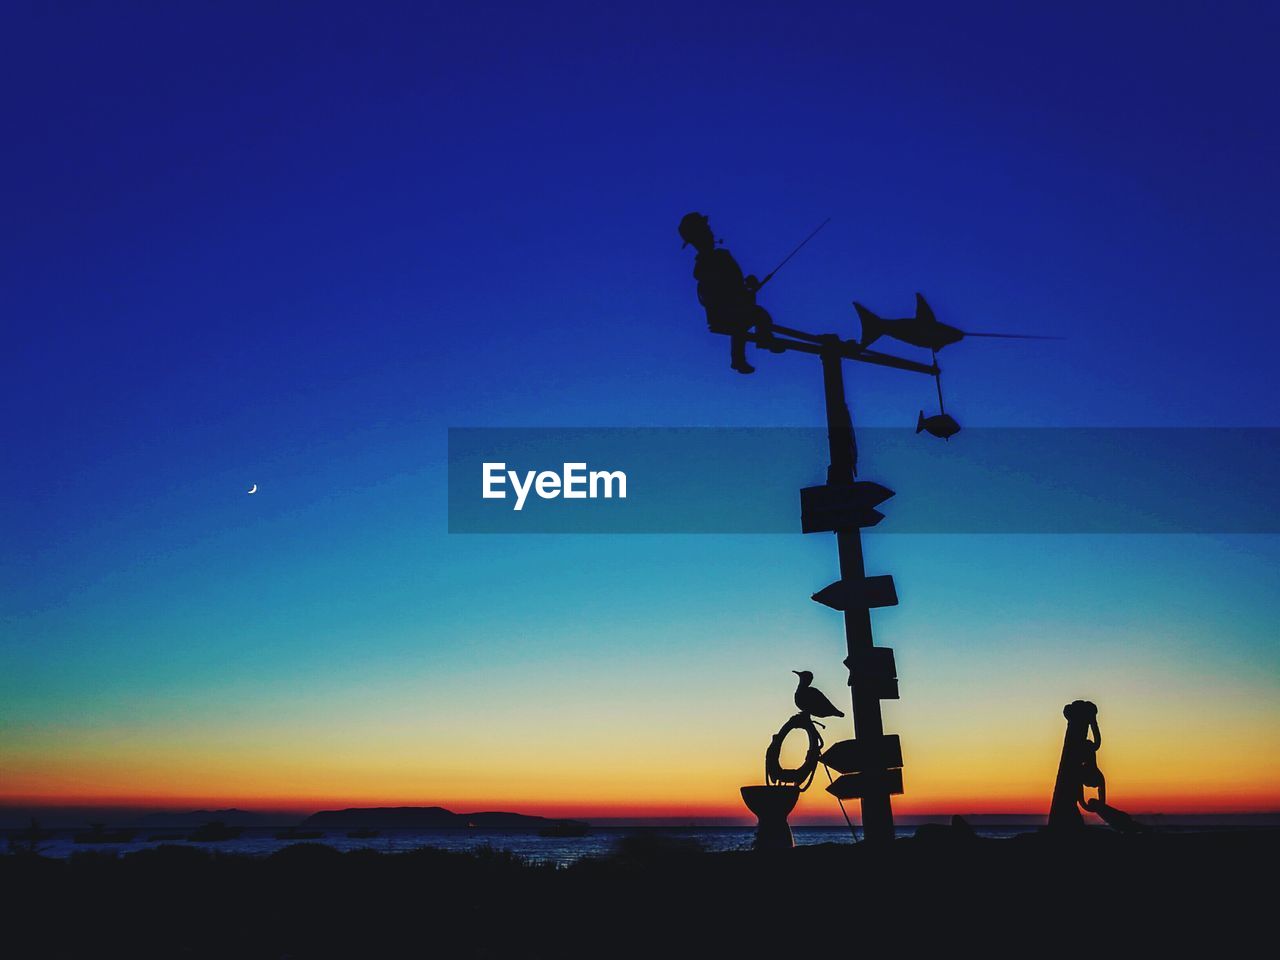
x: 728, y: 297
x: 1078, y: 767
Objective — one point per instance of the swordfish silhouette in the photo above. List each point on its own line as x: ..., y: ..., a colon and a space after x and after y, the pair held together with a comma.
x: 811, y: 700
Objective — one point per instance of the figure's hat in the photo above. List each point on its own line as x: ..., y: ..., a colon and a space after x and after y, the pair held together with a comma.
x: 691, y: 223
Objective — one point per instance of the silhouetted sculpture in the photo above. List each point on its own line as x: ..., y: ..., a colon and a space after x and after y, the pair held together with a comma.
x: 1078, y: 767
x: 728, y: 297
x: 811, y: 700
x: 842, y: 505
x: 773, y: 800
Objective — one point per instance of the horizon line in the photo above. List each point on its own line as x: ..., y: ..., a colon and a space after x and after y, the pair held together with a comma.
x: 554, y: 812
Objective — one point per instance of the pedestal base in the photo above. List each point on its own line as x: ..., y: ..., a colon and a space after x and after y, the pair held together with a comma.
x: 772, y: 805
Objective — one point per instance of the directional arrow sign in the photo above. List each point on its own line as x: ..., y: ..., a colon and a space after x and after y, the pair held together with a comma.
x: 853, y: 756
x: 877, y: 592
x: 827, y: 508
x: 830, y: 520
x: 868, y: 784
x: 871, y: 494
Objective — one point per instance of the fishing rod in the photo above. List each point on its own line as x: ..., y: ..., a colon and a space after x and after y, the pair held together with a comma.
x: 769, y: 275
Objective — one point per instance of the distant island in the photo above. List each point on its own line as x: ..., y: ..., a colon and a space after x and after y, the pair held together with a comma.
x: 422, y: 818
x: 197, y: 818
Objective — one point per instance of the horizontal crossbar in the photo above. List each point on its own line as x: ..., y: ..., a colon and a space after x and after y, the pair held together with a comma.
x: 848, y: 349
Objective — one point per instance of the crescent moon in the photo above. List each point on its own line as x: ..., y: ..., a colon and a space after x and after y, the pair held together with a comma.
x: 254, y: 488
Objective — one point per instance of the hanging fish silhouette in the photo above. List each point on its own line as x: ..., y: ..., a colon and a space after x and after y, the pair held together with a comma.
x: 939, y: 425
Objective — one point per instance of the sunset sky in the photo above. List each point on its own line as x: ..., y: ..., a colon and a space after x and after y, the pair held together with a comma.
x: 294, y: 247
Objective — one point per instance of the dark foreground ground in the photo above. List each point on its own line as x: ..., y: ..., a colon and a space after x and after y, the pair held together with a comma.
x: 1029, y: 896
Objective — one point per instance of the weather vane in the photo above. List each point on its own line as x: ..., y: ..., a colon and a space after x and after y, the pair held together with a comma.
x: 870, y: 764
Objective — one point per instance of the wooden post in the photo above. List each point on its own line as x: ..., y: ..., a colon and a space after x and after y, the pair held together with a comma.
x: 877, y: 813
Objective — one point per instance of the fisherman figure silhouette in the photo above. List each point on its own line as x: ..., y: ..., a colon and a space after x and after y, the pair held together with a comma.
x: 728, y: 297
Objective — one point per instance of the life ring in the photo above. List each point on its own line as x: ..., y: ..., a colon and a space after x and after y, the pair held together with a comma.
x: 801, y: 776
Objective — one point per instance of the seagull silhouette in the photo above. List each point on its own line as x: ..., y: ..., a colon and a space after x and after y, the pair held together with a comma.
x: 811, y: 700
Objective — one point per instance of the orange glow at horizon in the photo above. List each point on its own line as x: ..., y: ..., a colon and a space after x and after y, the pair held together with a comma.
x: 1173, y: 742
x: 904, y: 806
x: 933, y: 788
x: 937, y: 780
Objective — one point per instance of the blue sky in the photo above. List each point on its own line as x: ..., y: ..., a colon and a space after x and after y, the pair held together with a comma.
x: 292, y: 247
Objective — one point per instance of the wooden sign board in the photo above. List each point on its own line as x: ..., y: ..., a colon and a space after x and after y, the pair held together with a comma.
x: 854, y: 756
x: 877, y: 592
x: 881, y: 592
x: 827, y: 508
x: 873, y: 673
x: 873, y: 662
x: 870, y: 783
x: 828, y: 521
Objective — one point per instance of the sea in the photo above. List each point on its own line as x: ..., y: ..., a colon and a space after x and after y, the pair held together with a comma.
x: 527, y: 844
